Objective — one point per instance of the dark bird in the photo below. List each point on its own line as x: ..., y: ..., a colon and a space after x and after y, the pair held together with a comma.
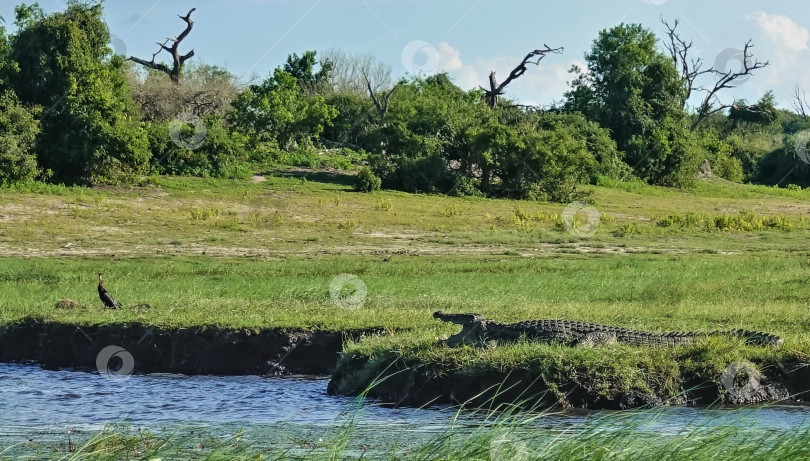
x: 106, y: 297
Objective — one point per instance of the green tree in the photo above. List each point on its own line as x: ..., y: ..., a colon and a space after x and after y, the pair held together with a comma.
x: 669, y: 154
x: 222, y: 152
x: 428, y: 135
x: 532, y: 162
x: 7, y: 66
x: 302, y: 68
x: 90, y: 126
x: 607, y: 158
x: 355, y: 122
x: 635, y: 91
x: 278, y: 111
x: 18, y: 134
x: 763, y: 112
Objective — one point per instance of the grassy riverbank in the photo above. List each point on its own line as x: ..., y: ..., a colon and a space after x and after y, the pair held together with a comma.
x: 263, y: 253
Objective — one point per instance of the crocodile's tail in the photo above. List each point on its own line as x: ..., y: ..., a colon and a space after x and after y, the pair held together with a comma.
x: 755, y: 338
x: 674, y: 338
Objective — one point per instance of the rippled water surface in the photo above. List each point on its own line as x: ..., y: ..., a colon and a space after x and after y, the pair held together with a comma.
x: 42, y: 405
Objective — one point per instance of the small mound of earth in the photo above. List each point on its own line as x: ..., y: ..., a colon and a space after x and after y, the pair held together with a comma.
x: 706, y: 168
x: 66, y: 304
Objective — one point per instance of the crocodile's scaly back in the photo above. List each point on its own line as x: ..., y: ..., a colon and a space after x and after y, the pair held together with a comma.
x: 478, y: 330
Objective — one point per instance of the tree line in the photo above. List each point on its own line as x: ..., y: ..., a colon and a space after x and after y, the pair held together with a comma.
x: 72, y: 111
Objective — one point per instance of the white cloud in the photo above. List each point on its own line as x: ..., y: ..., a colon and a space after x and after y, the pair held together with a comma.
x: 782, y: 30
x: 540, y: 84
x: 787, y: 52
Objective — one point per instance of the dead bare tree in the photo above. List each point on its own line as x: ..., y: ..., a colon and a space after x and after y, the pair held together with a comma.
x: 711, y: 104
x: 800, y: 103
x: 691, y: 69
x: 381, y: 103
x: 177, y: 59
x: 495, y: 91
x: 350, y: 70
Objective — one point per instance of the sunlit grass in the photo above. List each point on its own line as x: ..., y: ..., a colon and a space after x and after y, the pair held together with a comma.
x: 288, y: 215
x: 642, y: 291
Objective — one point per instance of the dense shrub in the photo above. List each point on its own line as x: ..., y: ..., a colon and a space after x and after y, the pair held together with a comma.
x: 367, y: 181
x: 278, y: 111
x: 668, y: 155
x: 18, y: 134
x: 354, y: 122
x: 543, y: 165
x: 466, y: 187
x: 221, y: 152
x: 419, y: 175
x: 788, y: 164
x: 608, y: 160
x: 719, y: 154
x: 751, y: 144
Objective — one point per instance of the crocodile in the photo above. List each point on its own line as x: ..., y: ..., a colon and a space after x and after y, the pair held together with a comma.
x: 478, y: 330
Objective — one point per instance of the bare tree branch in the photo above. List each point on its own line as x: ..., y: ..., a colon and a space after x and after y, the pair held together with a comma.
x: 495, y: 91
x: 800, y: 103
x: 381, y: 105
x: 689, y: 68
x: 725, y: 79
x: 348, y: 68
x: 177, y: 59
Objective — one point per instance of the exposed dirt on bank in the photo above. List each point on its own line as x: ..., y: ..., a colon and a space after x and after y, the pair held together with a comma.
x: 416, y: 385
x: 190, y: 351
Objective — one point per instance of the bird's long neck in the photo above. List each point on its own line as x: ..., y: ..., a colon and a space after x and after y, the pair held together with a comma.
x: 99, y: 281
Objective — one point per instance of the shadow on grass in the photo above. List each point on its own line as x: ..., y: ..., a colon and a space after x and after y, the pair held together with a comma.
x: 327, y: 177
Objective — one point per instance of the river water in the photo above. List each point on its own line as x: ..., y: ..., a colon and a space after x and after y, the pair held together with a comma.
x: 38, y: 407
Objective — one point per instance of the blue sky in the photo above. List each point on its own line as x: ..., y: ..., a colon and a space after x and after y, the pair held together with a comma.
x: 466, y: 38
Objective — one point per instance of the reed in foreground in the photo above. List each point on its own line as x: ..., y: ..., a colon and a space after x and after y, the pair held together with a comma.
x: 505, y: 435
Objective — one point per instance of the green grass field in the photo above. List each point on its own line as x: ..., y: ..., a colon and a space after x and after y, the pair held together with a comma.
x: 263, y: 252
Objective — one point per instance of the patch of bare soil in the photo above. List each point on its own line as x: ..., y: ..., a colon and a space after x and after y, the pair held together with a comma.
x: 383, y: 245
x: 393, y: 235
